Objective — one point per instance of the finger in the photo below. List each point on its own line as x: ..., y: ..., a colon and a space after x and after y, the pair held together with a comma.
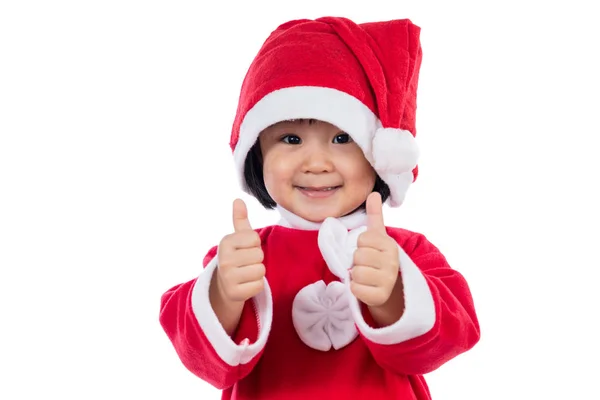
x: 245, y: 274
x: 240, y: 216
x: 246, y: 290
x: 370, y: 295
x: 366, y: 276
x: 374, y: 240
x: 243, y: 257
x: 367, y: 256
x: 243, y: 240
x: 251, y: 289
x: 375, y: 212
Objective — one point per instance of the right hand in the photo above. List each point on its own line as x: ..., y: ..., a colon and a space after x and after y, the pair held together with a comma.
x: 240, y: 270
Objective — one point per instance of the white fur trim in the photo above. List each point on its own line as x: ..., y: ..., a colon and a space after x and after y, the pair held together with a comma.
x: 399, y: 184
x: 395, y: 151
x: 419, y: 308
x: 325, y: 104
x: 230, y: 352
x: 340, y: 109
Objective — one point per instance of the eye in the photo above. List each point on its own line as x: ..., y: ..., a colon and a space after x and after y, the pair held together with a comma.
x: 291, y: 139
x: 342, y: 138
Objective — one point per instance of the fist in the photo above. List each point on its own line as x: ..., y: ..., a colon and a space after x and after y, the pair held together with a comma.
x: 375, y: 265
x: 240, y: 270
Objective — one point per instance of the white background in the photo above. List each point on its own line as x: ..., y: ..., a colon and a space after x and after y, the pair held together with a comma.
x: 116, y: 178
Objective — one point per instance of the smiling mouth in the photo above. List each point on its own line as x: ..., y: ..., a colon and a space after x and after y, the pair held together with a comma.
x: 319, y: 188
x: 318, y: 192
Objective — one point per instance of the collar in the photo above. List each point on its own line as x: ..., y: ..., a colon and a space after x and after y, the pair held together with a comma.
x: 291, y: 220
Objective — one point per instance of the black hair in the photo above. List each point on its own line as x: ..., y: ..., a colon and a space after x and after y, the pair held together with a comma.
x: 253, y: 176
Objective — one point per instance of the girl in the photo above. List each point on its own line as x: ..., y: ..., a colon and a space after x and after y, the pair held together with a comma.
x: 329, y: 302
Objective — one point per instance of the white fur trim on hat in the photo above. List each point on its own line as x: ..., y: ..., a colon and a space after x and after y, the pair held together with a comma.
x: 391, y: 151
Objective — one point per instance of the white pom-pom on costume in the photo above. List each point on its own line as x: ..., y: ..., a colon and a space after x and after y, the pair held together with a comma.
x: 394, y: 151
x: 322, y: 316
x: 321, y: 313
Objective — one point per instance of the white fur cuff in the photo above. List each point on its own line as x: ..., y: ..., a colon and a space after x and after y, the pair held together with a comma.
x: 419, y: 308
x: 230, y: 352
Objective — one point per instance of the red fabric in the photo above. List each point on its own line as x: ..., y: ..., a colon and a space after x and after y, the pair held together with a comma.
x: 301, y: 53
x: 192, y: 346
x: 288, y: 369
x: 390, y: 54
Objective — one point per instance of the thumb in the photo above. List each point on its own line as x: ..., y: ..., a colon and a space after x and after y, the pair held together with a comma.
x: 375, y: 212
x: 240, y: 216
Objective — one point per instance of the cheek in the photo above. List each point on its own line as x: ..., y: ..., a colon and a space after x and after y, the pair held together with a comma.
x: 276, y: 171
x: 367, y: 177
x: 358, y: 170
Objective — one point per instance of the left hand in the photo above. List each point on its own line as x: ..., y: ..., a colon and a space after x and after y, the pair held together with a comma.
x: 375, y: 266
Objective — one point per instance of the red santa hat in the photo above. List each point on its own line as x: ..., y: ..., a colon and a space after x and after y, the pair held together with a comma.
x: 361, y: 78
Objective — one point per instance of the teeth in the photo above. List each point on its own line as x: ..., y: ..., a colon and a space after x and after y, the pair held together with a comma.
x: 321, y: 190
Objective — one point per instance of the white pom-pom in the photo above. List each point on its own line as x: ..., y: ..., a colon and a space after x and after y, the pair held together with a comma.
x: 394, y: 151
x: 322, y: 317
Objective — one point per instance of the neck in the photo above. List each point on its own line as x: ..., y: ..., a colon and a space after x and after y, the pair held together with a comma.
x: 290, y: 220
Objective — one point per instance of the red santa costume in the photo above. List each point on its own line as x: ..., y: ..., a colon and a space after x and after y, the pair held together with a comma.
x: 306, y: 335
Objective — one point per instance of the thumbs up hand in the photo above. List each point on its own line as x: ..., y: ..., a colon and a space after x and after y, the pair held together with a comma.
x: 375, y: 266
x: 240, y: 270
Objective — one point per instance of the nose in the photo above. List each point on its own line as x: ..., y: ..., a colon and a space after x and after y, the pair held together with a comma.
x: 317, y: 160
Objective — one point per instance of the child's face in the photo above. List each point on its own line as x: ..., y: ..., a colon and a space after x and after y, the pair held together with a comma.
x: 314, y: 170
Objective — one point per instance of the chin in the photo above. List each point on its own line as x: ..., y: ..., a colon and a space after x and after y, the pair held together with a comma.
x: 318, y: 214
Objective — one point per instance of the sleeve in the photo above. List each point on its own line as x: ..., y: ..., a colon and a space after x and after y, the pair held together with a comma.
x: 439, y: 320
x: 200, y: 341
